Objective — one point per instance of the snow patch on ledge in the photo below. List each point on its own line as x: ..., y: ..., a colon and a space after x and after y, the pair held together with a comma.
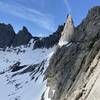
x: 61, y: 43
x: 46, y: 96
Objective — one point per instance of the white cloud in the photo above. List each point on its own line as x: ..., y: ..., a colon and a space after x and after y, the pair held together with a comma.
x: 68, y: 5
x: 43, y: 20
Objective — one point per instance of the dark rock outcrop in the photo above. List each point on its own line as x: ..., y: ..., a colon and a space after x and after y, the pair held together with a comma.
x: 74, y: 70
x: 49, y: 41
x: 22, y: 38
x: 7, y: 35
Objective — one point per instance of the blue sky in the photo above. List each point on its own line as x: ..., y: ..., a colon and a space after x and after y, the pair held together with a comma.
x: 42, y: 17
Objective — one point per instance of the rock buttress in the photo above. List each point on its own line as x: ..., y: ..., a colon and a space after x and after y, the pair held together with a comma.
x: 74, y: 70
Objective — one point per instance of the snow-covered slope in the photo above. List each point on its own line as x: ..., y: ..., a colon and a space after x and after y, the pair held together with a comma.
x: 21, y: 72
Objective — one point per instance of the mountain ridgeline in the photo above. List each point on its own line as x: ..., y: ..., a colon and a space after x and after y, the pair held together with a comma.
x: 9, y: 38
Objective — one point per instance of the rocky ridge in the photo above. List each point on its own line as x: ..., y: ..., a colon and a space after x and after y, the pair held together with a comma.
x: 9, y: 38
x: 74, y: 69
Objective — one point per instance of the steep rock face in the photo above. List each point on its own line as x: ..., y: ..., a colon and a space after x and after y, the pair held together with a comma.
x: 22, y: 38
x: 6, y: 35
x: 68, y: 31
x: 74, y: 69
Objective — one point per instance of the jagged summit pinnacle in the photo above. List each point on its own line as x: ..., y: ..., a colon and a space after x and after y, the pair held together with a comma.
x: 24, y: 29
x: 68, y: 31
x: 22, y: 38
x: 69, y: 19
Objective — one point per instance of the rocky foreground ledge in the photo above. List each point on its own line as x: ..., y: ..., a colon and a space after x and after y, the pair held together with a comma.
x: 74, y: 70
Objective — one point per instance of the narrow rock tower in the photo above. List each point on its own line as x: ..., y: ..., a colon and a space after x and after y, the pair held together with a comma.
x: 68, y: 31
